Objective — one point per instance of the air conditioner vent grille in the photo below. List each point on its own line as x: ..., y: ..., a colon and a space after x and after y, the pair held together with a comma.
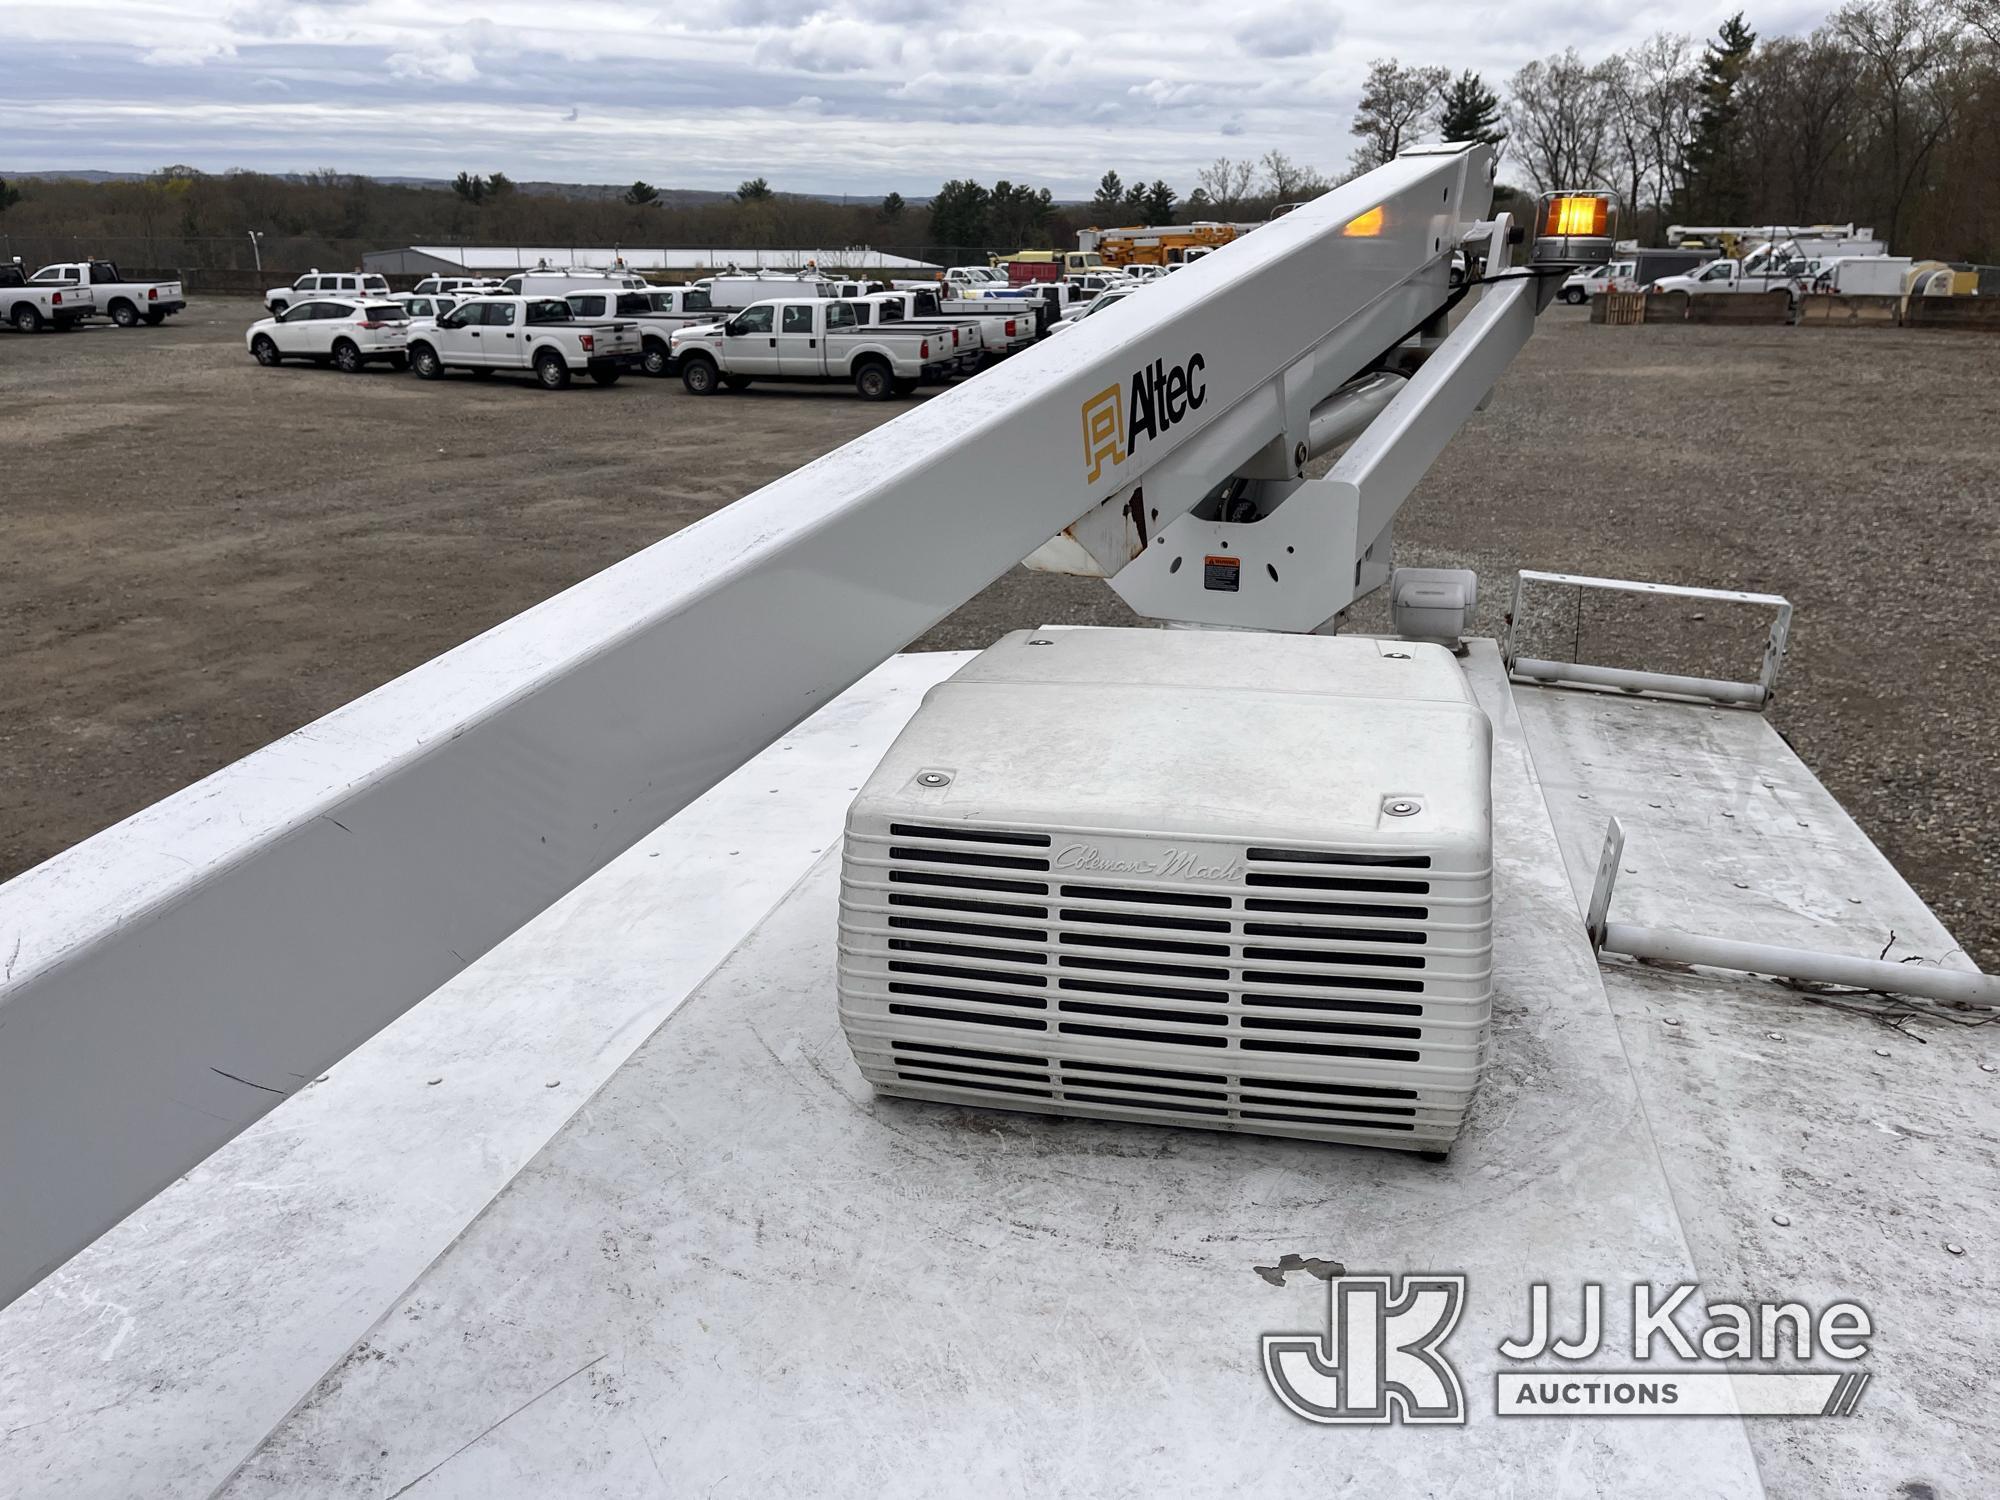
x: 1311, y: 993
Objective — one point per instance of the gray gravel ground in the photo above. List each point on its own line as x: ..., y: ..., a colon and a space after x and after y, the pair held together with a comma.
x: 197, y: 555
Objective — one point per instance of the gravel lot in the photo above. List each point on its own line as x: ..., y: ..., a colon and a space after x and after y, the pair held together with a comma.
x: 197, y: 555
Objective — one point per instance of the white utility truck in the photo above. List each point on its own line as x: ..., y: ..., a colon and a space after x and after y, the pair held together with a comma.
x: 1809, y: 240
x: 541, y: 335
x: 125, y: 302
x: 708, y: 1052
x: 31, y: 306
x: 814, y: 341
x: 1792, y: 264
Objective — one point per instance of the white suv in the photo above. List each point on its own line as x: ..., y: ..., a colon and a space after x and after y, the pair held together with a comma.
x: 347, y: 332
x: 353, y: 284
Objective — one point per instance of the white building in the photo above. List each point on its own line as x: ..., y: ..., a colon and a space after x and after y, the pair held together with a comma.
x: 502, y: 260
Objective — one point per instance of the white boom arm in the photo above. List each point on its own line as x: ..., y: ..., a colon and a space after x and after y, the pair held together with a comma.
x: 171, y: 979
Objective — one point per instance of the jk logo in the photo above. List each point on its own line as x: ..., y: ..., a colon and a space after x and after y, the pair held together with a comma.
x: 1379, y: 1359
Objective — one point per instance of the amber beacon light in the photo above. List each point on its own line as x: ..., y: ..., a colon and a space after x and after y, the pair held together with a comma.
x: 1574, y: 228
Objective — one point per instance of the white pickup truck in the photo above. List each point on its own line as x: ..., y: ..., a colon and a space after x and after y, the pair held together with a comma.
x: 809, y: 340
x: 538, y: 334
x: 657, y: 311
x: 1028, y: 315
x: 1003, y: 327
x: 1615, y: 276
x: 964, y: 344
x: 967, y: 280
x: 127, y: 303
x: 32, y: 306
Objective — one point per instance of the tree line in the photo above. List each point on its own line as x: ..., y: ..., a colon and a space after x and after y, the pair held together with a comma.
x: 1888, y: 113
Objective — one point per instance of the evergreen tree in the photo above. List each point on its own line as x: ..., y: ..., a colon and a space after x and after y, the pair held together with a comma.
x: 642, y: 194
x: 470, y: 186
x: 1015, y: 214
x: 1159, y: 204
x: 756, y: 190
x: 8, y: 196
x: 1110, y: 200
x: 958, y: 213
x: 1715, y: 180
x: 891, y: 211
x: 1469, y: 111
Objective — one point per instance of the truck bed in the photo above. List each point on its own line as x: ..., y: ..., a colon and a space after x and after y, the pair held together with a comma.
x: 613, y: 1212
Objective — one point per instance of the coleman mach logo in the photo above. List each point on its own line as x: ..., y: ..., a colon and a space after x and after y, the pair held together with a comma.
x: 1125, y: 413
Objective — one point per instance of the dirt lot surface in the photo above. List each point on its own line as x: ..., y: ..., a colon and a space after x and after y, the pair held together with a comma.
x: 198, y: 555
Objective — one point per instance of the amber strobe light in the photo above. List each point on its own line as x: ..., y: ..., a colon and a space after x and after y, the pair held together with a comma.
x: 1364, y: 226
x: 1577, y: 214
x: 1574, y: 227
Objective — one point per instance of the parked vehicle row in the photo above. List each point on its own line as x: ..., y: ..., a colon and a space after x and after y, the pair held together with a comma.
x: 68, y: 292
x: 884, y: 338
x: 1798, y: 263
x: 434, y: 334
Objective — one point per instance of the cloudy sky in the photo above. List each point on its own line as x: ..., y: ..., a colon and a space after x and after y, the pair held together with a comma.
x: 859, y: 96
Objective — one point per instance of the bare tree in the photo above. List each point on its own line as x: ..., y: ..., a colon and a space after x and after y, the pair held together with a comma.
x: 1226, y: 184
x: 1396, y: 104
x: 1286, y: 181
x: 1561, y: 120
x: 1913, y: 88
x: 1984, y: 17
x: 1800, y: 113
x: 1657, y: 98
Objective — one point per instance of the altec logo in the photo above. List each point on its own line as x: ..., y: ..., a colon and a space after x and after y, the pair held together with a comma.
x: 1160, y: 396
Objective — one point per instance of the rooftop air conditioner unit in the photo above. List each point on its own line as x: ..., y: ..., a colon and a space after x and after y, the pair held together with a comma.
x: 1220, y: 879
